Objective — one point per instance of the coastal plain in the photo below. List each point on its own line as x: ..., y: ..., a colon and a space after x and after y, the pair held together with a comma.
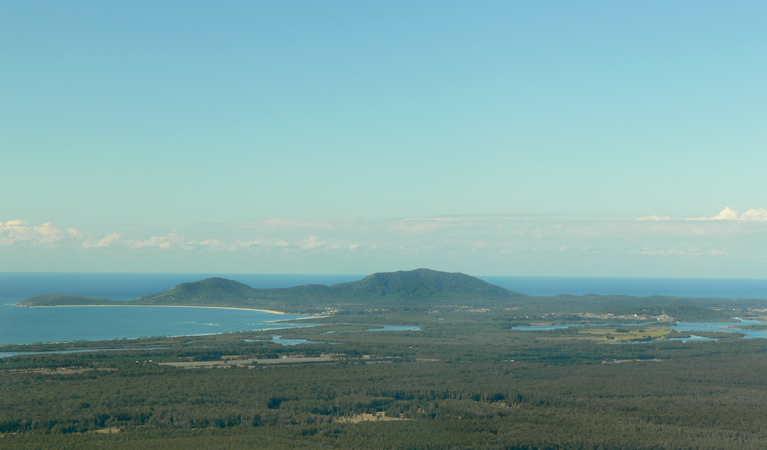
x: 463, y: 372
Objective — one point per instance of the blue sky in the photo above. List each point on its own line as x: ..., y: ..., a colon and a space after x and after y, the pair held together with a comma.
x: 492, y: 138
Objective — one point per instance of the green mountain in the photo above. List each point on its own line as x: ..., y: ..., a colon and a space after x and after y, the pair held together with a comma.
x: 207, y: 292
x: 425, y: 286
x: 416, y: 289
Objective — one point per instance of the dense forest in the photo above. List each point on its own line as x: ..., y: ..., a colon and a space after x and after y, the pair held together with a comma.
x: 464, y: 375
x: 467, y: 380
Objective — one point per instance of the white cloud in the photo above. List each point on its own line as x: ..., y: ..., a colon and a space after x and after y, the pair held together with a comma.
x: 759, y: 214
x: 171, y: 240
x: 48, y: 233
x: 106, y: 241
x: 283, y: 224
x: 755, y: 215
x: 215, y: 245
x: 420, y: 225
x: 20, y: 231
x: 245, y: 244
x: 312, y: 242
x: 650, y: 241
x: 654, y: 217
x: 689, y: 253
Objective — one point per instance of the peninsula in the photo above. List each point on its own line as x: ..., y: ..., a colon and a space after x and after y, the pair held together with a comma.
x: 418, y: 290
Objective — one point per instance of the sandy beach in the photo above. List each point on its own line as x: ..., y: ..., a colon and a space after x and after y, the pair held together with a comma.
x: 163, y: 306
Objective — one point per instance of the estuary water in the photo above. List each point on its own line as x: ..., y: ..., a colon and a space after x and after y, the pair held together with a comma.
x: 741, y: 327
x: 29, y: 325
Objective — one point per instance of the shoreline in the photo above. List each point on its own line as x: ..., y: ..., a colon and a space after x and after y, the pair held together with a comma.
x: 283, y: 313
x: 267, y: 324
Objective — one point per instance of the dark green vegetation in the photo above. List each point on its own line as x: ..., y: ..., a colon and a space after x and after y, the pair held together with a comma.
x: 462, y: 382
x: 65, y: 300
x: 467, y: 380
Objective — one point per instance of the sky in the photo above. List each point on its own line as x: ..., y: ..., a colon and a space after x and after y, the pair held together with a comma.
x: 551, y: 138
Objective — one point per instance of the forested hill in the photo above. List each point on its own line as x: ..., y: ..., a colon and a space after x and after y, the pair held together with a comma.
x: 416, y: 289
x: 424, y: 284
x: 207, y: 292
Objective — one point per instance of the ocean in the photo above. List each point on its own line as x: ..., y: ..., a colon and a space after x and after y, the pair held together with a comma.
x: 30, y: 325
x: 94, y: 323
x: 639, y: 287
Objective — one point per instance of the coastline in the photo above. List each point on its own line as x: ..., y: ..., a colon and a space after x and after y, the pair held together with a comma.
x: 166, y: 306
x: 67, y: 321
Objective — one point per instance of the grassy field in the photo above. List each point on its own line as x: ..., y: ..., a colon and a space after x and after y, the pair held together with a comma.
x: 624, y: 333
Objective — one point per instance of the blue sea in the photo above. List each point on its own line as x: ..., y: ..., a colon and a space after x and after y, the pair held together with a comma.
x: 92, y: 323
x: 639, y: 287
x: 29, y: 325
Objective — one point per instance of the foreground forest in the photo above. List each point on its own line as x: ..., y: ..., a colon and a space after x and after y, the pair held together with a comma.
x: 465, y: 380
